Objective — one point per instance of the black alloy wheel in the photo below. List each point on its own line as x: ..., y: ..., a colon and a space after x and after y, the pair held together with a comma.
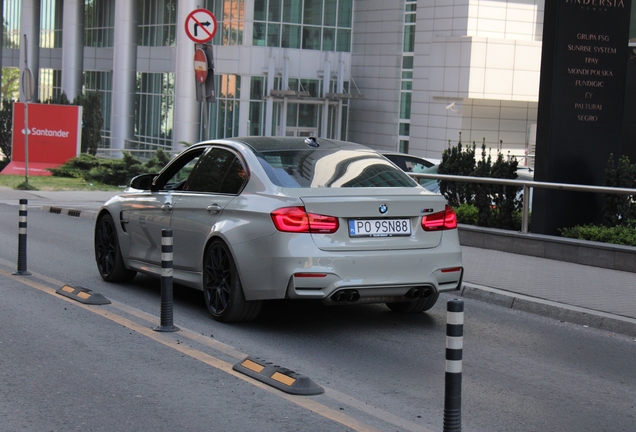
x: 107, y: 253
x: 222, y: 289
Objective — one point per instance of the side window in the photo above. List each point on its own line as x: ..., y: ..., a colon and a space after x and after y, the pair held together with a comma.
x: 177, y: 173
x: 179, y: 178
x: 416, y: 166
x: 218, y: 171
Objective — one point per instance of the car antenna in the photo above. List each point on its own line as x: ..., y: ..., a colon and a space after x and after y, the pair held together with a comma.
x: 312, y: 142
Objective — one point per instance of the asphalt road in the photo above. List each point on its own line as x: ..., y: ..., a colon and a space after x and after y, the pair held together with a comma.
x: 66, y: 366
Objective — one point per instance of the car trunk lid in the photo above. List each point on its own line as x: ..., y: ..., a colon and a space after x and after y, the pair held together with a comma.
x: 371, y: 220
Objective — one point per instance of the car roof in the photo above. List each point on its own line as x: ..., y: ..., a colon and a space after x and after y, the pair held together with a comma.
x: 264, y: 144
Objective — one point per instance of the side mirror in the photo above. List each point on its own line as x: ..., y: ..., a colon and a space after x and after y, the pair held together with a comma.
x: 143, y: 181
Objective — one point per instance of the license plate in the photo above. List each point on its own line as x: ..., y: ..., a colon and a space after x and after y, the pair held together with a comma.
x: 379, y: 227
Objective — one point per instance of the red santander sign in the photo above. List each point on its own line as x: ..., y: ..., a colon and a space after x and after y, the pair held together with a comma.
x: 54, y: 137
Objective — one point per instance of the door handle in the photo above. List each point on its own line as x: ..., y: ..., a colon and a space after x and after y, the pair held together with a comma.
x: 166, y: 207
x: 214, y: 208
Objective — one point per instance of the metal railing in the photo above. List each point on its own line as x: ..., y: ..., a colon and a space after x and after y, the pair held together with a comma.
x: 527, y: 185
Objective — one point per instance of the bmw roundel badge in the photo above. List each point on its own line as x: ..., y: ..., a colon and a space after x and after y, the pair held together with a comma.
x: 383, y: 208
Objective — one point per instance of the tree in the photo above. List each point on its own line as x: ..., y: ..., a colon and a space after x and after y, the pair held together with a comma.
x: 496, y: 206
x: 619, y: 209
x: 10, y: 83
x: 6, y: 122
x: 92, y: 120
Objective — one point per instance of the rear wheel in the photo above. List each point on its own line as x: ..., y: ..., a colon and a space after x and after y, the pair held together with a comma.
x: 222, y: 289
x: 108, y: 254
x: 415, y: 306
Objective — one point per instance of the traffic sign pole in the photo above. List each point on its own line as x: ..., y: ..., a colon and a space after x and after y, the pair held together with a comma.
x: 27, y: 88
x: 200, y: 26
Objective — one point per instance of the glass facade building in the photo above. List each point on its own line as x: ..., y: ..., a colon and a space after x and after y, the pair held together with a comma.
x: 408, y: 75
x: 281, y: 66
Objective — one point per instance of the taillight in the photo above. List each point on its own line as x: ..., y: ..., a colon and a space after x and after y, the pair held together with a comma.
x: 440, y: 221
x: 296, y: 219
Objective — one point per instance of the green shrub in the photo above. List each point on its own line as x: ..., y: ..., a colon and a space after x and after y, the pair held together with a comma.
x: 457, y: 161
x: 114, y: 172
x: 158, y: 161
x: 466, y: 214
x: 497, y: 206
x: 619, y: 209
x: 622, y: 234
x: 76, y: 167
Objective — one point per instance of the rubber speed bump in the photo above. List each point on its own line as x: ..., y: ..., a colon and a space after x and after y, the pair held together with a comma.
x: 83, y: 295
x: 278, y: 377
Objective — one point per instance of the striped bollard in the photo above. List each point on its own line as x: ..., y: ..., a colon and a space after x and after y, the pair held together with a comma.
x: 166, y: 283
x: 22, y: 240
x: 454, y: 346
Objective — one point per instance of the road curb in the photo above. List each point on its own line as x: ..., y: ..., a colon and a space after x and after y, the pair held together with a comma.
x: 551, y: 309
x: 80, y: 213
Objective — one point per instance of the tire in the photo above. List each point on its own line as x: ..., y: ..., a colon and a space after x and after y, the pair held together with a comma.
x: 108, y: 254
x: 415, y: 306
x: 222, y: 289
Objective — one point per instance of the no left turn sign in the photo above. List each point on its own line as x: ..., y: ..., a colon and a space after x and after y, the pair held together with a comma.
x: 200, y: 25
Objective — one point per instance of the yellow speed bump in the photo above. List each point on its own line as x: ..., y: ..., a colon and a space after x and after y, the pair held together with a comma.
x: 83, y: 295
x: 278, y: 377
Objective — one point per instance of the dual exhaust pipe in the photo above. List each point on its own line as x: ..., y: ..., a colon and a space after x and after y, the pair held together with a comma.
x: 346, y: 296
x: 352, y: 296
x: 419, y: 293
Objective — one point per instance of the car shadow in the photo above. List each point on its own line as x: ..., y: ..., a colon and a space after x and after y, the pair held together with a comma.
x: 307, y: 316
x: 311, y: 315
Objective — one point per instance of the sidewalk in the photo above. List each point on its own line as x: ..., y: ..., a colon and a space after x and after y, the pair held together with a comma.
x: 590, y: 296
x: 575, y: 293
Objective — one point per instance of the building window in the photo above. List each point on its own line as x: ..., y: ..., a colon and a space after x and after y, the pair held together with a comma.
x: 404, y: 126
x: 51, y: 13
x: 102, y: 82
x: 157, y: 22
x: 11, y: 24
x: 50, y: 84
x: 309, y: 24
x: 257, y: 106
x: 224, y: 114
x: 99, y: 23
x: 154, y: 104
x: 230, y: 20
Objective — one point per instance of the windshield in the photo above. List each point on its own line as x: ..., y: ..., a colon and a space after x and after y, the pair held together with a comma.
x: 315, y: 168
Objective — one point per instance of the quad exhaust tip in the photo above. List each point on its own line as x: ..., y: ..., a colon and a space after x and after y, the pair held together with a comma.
x: 352, y: 296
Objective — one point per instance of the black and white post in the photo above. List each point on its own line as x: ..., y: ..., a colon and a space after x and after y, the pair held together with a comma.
x: 22, y: 240
x: 454, y: 347
x: 166, y: 283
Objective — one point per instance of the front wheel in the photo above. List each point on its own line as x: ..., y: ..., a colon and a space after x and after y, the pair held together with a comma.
x: 222, y: 289
x: 108, y: 254
x: 415, y: 306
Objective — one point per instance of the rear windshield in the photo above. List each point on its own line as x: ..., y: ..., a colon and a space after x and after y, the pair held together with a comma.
x: 315, y: 168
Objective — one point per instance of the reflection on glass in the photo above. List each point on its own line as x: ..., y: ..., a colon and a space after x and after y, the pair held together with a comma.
x: 331, y: 169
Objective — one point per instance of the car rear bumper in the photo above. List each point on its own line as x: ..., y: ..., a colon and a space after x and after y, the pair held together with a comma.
x: 318, y: 274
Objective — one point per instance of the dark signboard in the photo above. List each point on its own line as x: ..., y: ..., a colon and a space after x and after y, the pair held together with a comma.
x: 581, y: 102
